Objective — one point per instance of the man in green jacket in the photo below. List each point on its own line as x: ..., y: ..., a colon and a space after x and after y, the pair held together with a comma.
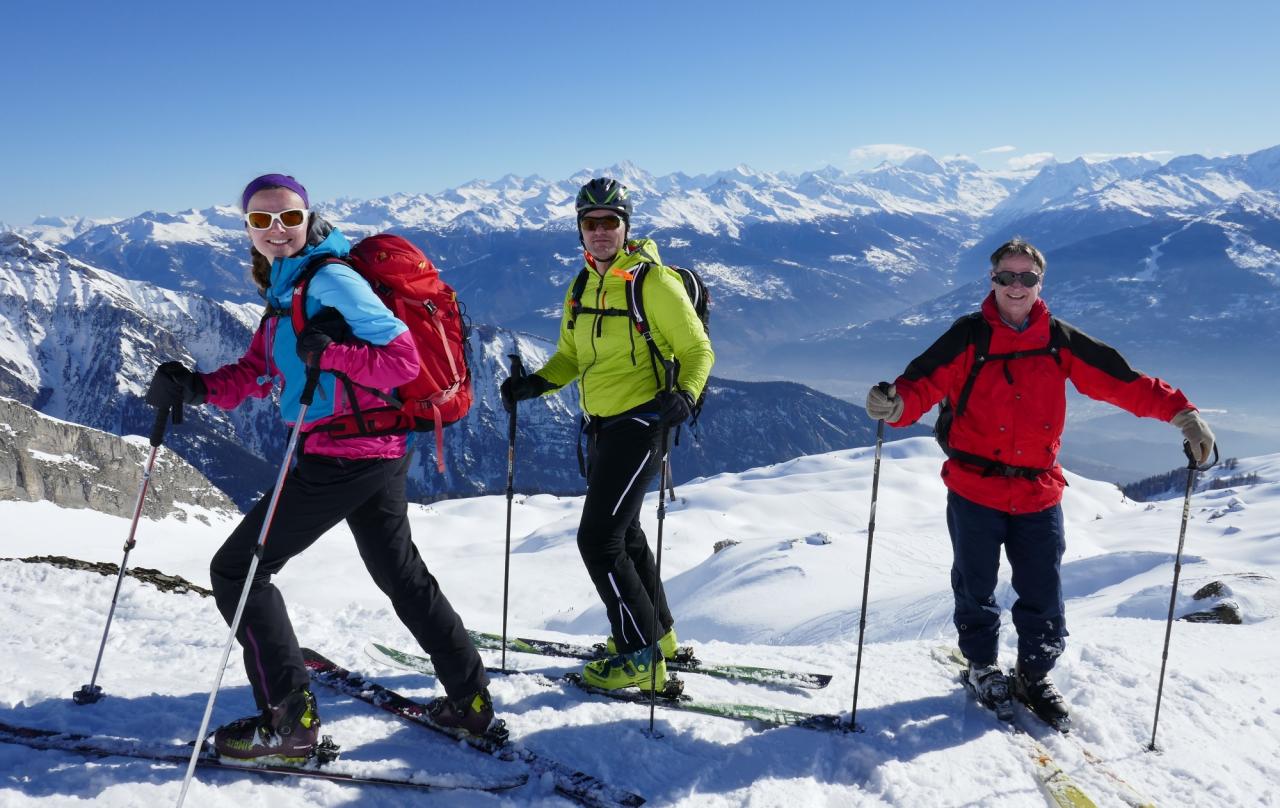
x: 626, y: 408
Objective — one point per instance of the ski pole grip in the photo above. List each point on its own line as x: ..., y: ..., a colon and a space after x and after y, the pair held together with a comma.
x: 672, y: 373
x: 1193, y: 462
x: 517, y: 366
x: 1191, y: 458
x: 309, y: 390
x: 157, y: 428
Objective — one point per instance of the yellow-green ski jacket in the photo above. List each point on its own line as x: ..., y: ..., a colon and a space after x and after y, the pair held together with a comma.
x: 608, y: 355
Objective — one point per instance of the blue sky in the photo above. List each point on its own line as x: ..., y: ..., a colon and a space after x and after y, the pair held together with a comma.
x: 109, y: 109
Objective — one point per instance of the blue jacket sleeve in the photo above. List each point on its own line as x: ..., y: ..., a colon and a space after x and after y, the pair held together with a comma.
x: 342, y: 288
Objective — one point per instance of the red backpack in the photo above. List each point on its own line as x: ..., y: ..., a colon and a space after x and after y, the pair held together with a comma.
x: 409, y: 284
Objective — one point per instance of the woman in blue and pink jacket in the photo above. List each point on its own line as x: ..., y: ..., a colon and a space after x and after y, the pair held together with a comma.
x: 360, y: 479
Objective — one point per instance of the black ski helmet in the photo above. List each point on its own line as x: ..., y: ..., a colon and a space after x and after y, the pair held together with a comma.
x: 603, y: 193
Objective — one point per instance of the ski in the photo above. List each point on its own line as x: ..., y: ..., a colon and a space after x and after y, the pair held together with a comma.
x: 672, y: 697
x: 1058, y: 785
x: 576, y: 785
x: 684, y: 661
x: 180, y: 755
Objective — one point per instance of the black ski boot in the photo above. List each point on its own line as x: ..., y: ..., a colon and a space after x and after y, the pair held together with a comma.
x: 990, y: 687
x: 472, y: 715
x: 1038, y: 692
x: 284, y: 733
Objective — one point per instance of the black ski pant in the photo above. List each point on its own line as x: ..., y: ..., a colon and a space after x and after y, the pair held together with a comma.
x: 318, y: 493
x: 1034, y: 544
x: 623, y: 457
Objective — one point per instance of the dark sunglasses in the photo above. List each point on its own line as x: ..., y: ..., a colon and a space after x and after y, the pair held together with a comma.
x: 1006, y: 278
x: 590, y: 223
x: 263, y: 219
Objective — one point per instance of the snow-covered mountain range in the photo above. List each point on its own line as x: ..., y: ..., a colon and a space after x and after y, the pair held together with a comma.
x: 81, y: 344
x: 836, y: 279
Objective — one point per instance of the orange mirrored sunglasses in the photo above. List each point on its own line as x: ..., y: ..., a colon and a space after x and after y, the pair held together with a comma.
x: 263, y: 219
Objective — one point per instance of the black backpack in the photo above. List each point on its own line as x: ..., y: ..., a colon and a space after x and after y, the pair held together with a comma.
x: 694, y: 287
x: 980, y: 338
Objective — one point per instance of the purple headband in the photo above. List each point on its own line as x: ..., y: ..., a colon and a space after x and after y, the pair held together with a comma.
x: 272, y: 181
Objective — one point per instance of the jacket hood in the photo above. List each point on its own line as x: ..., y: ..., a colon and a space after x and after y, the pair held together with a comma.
x: 285, y: 271
x: 639, y: 251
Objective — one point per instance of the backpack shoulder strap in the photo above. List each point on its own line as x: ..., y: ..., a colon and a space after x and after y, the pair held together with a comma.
x: 298, y: 309
x: 575, y: 297
x: 980, y: 339
x: 635, y: 301
x: 635, y: 307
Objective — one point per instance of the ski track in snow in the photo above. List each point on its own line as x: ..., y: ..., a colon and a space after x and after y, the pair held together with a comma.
x: 780, y: 597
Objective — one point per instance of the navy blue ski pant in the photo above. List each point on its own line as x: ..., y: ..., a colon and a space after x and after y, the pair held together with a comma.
x: 1034, y: 544
x: 623, y: 457
x: 318, y: 493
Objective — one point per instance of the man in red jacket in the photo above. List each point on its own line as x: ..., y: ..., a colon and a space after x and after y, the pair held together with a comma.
x: 1002, y: 372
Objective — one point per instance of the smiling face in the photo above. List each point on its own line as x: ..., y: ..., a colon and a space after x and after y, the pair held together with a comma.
x: 277, y: 241
x: 1014, y: 302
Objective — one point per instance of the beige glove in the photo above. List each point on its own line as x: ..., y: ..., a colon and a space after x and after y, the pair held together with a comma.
x: 884, y: 405
x: 1196, y: 432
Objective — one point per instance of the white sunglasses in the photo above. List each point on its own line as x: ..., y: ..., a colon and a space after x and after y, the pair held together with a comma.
x: 264, y: 219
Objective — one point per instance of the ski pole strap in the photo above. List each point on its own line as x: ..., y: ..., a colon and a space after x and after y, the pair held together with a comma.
x: 1193, y: 463
x: 309, y: 390
x: 517, y: 372
x: 157, y: 428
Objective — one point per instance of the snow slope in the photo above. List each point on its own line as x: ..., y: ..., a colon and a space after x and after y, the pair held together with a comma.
x: 787, y: 594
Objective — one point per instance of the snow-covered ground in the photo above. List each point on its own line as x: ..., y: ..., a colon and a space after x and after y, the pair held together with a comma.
x: 787, y: 595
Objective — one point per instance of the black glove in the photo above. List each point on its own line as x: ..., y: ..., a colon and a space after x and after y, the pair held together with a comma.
x: 320, y: 332
x: 519, y: 388
x: 674, y: 407
x: 173, y: 385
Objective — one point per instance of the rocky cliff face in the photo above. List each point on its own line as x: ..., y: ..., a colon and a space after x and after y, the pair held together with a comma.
x: 42, y: 458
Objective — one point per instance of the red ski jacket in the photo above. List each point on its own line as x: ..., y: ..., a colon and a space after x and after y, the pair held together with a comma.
x: 1017, y: 407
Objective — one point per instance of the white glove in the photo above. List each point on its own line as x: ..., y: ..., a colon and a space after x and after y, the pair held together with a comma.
x: 884, y: 403
x: 1196, y: 432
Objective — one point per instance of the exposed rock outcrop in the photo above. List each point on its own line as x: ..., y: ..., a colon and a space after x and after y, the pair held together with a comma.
x: 42, y: 458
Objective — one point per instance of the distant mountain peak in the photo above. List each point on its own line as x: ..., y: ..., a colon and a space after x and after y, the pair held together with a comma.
x: 924, y: 163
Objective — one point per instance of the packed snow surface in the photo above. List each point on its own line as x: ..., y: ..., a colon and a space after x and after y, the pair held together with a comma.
x: 787, y: 594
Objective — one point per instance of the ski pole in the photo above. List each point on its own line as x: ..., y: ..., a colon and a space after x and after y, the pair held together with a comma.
x: 517, y: 371
x: 866, y: 578
x: 308, y: 392
x: 1192, y: 469
x: 92, y: 692
x: 672, y: 368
